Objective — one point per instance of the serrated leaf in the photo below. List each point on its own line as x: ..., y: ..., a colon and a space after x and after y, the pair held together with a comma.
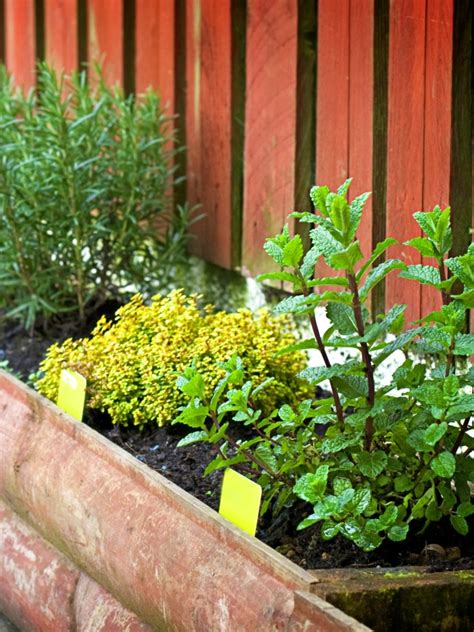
x: 318, y: 195
x: 338, y: 443
x: 325, y: 243
x: 339, y: 213
x: 459, y: 524
x: 265, y: 454
x: 376, y: 275
x: 342, y: 317
x: 346, y: 259
x: 293, y: 252
x: 315, y: 375
x: 379, y: 249
x: 344, y: 187
x: 371, y: 464
x: 423, y: 245
x: 279, y: 276
x: 274, y: 251
x: 192, y: 437
x: 194, y: 417
x: 397, y: 533
x: 463, y: 407
x: 296, y: 304
x: 464, y: 344
x: 302, y: 345
x: 361, y: 500
x: 311, y: 486
x: 444, y: 465
x: 351, y: 386
x: 356, y: 209
x: 463, y: 267
x: 434, y: 433
x: 340, y: 484
x: 427, y: 275
x: 309, y: 262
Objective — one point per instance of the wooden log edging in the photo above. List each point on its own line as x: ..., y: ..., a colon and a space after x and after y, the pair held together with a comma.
x: 156, y: 550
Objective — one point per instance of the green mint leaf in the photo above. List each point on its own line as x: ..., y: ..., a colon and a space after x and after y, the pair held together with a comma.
x: 342, y: 317
x: 192, y: 437
x: 293, y: 252
x: 434, y: 433
x: 318, y: 197
x: 311, y: 487
x: 376, y: 275
x: 459, y: 524
x: 315, y: 375
x: 423, y: 245
x: 427, y: 275
x: 444, y: 465
x: 356, y: 209
x: 371, y: 464
x: 346, y: 259
x: 464, y: 344
x: 398, y: 533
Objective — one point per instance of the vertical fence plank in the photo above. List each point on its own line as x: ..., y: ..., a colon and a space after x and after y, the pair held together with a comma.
x: 437, y: 142
x: 269, y: 153
x: 361, y: 105
x: 332, y: 102
x: 209, y: 116
x: 193, y: 102
x: 154, y: 63
x: 61, y: 34
x: 405, y: 141
x: 20, y: 41
x: 344, y: 106
x: 105, y: 32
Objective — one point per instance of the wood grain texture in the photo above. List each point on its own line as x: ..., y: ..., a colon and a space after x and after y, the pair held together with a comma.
x: 20, y: 41
x: 214, y: 231
x: 105, y: 32
x: 193, y: 102
x: 344, y: 106
x: 269, y: 153
x: 361, y: 104
x: 155, y: 52
x: 437, y: 141
x: 61, y: 34
x: 406, y: 92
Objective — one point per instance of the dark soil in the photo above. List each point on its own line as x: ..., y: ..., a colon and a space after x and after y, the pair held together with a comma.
x: 439, y: 547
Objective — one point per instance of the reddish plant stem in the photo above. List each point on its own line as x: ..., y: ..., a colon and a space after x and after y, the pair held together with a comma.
x: 461, y: 434
x: 364, y: 349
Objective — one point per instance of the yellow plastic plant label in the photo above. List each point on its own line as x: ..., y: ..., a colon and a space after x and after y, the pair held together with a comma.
x: 240, y: 501
x: 72, y: 393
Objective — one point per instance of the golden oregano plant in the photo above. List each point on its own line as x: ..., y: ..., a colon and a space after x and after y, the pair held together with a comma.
x: 131, y: 364
x: 369, y: 461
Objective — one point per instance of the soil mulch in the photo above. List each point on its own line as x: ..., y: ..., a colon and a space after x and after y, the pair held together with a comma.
x: 438, y: 548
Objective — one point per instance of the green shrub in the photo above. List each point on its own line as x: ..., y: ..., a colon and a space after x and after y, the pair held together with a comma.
x: 84, y: 210
x: 391, y: 456
x: 131, y: 365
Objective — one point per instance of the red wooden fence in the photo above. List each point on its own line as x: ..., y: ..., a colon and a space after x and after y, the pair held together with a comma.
x: 270, y: 91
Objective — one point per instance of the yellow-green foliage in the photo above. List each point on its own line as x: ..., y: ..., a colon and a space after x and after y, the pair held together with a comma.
x: 131, y: 364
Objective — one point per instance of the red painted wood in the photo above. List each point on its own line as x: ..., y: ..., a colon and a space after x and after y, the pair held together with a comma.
x: 361, y: 101
x: 213, y: 87
x: 20, y: 41
x: 332, y: 98
x: 332, y: 103
x: 269, y: 152
x: 437, y: 145
x: 105, y: 28
x: 345, y: 102
x: 405, y: 141
x: 154, y: 64
x: 193, y: 115
x: 61, y: 34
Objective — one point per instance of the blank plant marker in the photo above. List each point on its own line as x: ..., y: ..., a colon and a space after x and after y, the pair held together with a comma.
x: 72, y: 393
x: 240, y: 501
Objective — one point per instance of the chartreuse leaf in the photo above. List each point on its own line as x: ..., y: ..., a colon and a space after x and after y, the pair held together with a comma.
x: 346, y: 259
x: 279, y: 276
x: 311, y: 486
x: 444, y: 464
x: 192, y: 437
x: 379, y: 249
x: 293, y: 252
x: 423, y: 245
x: 378, y: 274
x: 318, y: 196
x: 459, y: 524
x: 356, y: 208
x: 464, y: 344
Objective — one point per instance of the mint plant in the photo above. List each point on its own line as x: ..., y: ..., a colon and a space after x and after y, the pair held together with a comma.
x: 390, y: 456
